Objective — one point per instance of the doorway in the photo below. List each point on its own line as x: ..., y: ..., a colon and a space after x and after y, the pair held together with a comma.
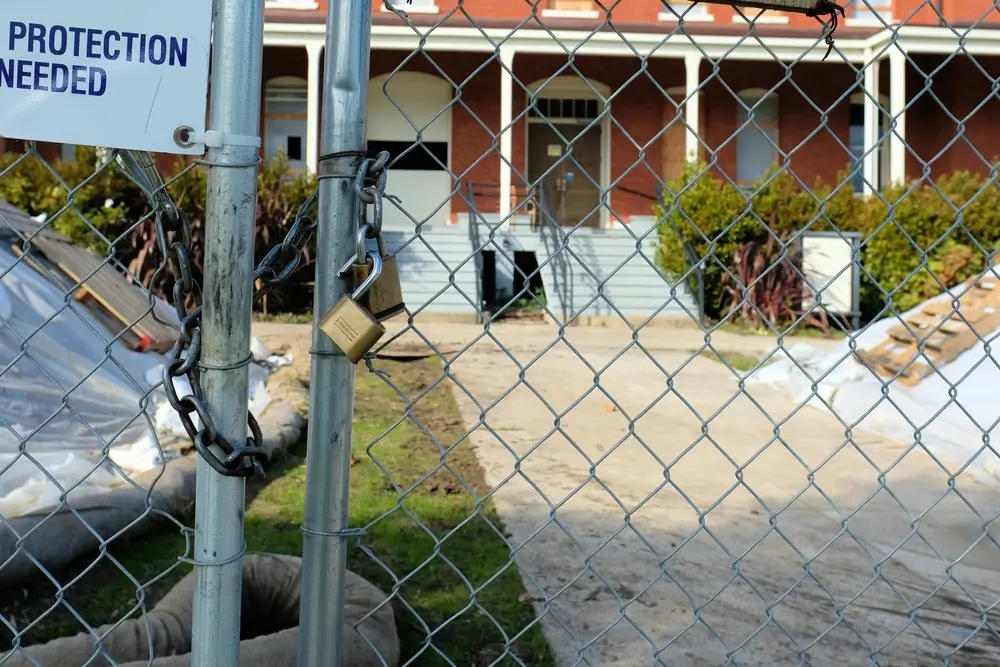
x: 567, y: 110
x: 570, y: 175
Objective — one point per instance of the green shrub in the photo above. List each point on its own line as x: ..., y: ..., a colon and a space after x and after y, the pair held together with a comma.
x: 915, y: 240
x: 103, y: 211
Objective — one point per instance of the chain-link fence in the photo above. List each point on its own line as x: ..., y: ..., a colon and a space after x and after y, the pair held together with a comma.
x: 715, y: 308
x: 695, y: 367
x: 91, y: 452
x: 116, y: 373
x: 103, y: 404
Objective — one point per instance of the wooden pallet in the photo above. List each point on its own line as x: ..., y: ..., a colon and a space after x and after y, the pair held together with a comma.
x: 117, y: 303
x: 938, y: 332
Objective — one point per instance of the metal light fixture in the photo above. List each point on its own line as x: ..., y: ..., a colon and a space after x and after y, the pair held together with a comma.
x: 814, y: 8
x: 807, y: 7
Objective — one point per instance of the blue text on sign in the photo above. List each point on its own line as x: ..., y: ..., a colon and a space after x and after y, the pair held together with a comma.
x: 81, y: 43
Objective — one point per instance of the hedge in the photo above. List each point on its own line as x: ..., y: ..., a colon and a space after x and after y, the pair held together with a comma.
x: 952, y: 224
x: 112, y: 205
x: 915, y: 238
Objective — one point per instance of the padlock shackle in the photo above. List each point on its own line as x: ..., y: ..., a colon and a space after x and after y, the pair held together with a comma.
x: 360, y: 242
x: 372, y: 277
x: 365, y: 232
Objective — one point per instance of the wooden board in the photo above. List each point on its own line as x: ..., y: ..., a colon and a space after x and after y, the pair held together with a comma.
x: 124, y: 301
x: 936, y: 334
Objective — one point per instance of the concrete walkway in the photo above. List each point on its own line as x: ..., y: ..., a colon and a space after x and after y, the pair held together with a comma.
x: 660, y: 514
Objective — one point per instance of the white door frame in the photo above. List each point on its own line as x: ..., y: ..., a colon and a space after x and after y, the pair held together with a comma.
x: 884, y: 132
x: 376, y: 86
x: 574, y: 87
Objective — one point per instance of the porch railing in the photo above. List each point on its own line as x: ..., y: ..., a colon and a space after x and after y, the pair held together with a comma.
x: 554, y: 239
x: 477, y: 245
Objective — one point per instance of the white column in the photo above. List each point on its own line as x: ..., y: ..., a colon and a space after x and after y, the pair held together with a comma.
x: 506, y: 135
x: 314, y: 89
x: 897, y: 104
x: 692, y: 107
x: 873, y: 121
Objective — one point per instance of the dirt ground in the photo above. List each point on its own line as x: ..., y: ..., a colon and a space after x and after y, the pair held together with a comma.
x: 663, y: 514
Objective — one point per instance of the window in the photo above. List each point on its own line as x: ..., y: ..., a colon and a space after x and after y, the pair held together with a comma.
x: 571, y: 9
x: 870, y: 11
x: 687, y: 11
x: 285, y: 125
x: 68, y: 153
x: 757, y: 140
x: 565, y: 109
x: 857, y: 145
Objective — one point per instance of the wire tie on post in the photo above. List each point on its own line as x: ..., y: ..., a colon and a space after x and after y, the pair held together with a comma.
x: 217, y: 563
x: 187, y: 137
x: 246, y: 361
x: 344, y: 164
x: 346, y: 533
x: 337, y: 353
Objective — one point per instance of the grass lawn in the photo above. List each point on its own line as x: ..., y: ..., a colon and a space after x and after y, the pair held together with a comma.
x: 451, y: 564
x: 738, y: 361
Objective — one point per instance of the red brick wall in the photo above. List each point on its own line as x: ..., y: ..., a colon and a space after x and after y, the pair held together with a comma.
x: 622, y: 12
x: 281, y: 61
x: 958, y: 92
x: 814, y: 115
x: 955, y: 11
x: 813, y: 110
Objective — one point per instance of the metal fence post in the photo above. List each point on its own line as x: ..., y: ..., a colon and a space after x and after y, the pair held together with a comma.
x: 228, y: 288
x: 331, y: 404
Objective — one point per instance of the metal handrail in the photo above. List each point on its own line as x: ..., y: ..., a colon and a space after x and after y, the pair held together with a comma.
x: 477, y: 255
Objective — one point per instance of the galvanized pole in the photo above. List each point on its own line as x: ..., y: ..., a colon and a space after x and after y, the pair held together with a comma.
x: 230, y: 214
x: 331, y: 404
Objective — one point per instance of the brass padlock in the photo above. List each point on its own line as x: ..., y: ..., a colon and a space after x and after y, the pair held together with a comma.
x: 385, y: 298
x: 349, y: 324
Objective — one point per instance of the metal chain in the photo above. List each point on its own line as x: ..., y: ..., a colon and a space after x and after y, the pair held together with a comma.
x: 241, y: 459
x: 370, y: 187
x: 280, y: 262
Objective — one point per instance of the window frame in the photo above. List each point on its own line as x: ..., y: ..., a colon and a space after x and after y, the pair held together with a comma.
x: 282, y: 84
x: 882, y: 151
x: 751, y: 98
x: 685, y: 10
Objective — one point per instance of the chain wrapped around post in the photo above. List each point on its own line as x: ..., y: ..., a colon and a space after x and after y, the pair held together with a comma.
x: 174, y: 237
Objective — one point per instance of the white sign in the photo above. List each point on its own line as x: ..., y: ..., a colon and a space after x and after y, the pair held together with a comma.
x: 828, y: 266
x: 114, y: 73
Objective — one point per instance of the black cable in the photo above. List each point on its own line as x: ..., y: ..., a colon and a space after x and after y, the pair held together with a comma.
x: 831, y: 8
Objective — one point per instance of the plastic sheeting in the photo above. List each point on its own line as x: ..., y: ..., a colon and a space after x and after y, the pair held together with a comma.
x: 68, y: 395
x: 951, y: 413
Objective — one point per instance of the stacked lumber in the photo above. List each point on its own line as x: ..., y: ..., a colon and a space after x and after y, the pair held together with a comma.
x: 122, y: 307
x: 118, y: 304
x: 937, y: 333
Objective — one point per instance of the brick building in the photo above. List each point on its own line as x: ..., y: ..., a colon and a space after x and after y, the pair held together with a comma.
x: 648, y: 68
x: 650, y: 62
x: 912, y: 92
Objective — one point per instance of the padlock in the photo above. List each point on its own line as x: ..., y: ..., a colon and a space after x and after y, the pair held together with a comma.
x: 385, y: 298
x: 349, y: 324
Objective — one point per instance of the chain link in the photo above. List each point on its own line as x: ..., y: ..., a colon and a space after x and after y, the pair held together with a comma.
x: 174, y: 236
x: 370, y: 187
